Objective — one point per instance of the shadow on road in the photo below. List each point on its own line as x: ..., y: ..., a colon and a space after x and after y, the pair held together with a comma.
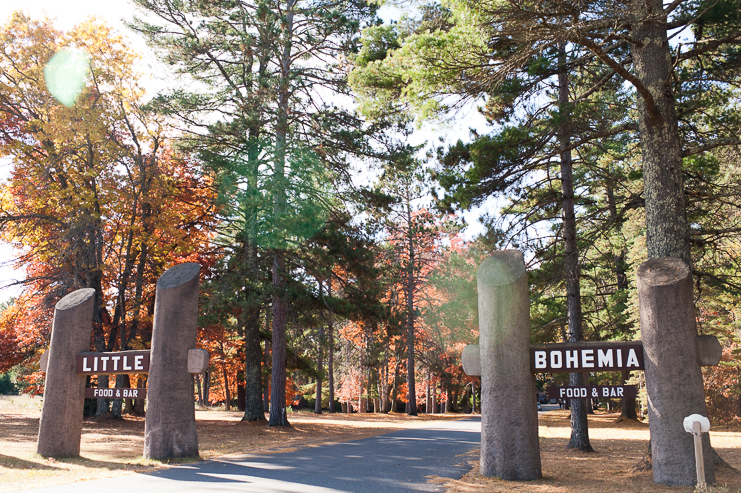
x: 395, y: 462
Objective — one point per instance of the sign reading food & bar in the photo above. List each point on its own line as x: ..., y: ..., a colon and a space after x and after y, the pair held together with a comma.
x: 91, y: 393
x: 591, y: 356
x: 593, y: 392
x: 121, y: 362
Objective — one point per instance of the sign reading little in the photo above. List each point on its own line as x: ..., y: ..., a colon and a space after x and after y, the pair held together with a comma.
x: 113, y: 363
x: 578, y: 357
x: 594, y: 392
x: 91, y: 393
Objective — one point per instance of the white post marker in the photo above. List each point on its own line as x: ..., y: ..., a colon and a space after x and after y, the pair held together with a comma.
x: 697, y: 425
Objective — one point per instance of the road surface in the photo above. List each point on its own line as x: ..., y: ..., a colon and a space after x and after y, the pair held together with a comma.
x: 401, y: 461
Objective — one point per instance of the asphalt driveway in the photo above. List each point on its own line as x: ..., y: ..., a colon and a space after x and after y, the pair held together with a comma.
x: 401, y: 461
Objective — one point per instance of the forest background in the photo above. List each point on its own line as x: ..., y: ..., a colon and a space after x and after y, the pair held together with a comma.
x: 277, y: 153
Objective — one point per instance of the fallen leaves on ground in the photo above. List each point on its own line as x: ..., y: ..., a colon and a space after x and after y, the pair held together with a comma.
x: 618, y: 447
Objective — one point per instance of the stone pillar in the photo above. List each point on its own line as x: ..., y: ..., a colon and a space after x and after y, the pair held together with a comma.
x: 60, y: 428
x: 673, y: 378
x: 170, y: 427
x: 509, y: 415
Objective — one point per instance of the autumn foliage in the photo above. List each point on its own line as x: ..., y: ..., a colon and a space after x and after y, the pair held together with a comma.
x: 96, y: 197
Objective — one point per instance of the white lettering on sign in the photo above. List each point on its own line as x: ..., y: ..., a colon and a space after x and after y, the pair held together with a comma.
x: 587, y: 358
x: 540, y: 361
x: 632, y: 359
x: 113, y: 363
x: 575, y: 357
x: 604, y: 357
x: 572, y: 358
x: 575, y: 392
x: 592, y: 391
x: 612, y: 391
x: 106, y: 393
x: 554, y: 363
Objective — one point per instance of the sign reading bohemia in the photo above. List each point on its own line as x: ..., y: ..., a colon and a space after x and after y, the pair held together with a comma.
x: 586, y: 357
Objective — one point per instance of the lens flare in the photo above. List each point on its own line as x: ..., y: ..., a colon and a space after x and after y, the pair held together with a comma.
x: 65, y: 75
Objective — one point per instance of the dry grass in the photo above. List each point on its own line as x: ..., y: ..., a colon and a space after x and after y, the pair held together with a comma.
x: 114, y: 447
x: 618, y: 448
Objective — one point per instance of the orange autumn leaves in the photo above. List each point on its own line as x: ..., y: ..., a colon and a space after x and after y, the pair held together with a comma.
x: 96, y: 195
x: 438, y: 252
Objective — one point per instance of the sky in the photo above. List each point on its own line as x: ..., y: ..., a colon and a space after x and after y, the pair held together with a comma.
x: 66, y: 14
x: 70, y: 13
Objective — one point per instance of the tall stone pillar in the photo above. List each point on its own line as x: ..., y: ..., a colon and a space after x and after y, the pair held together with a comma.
x: 60, y: 428
x: 673, y: 378
x: 170, y: 427
x: 509, y: 415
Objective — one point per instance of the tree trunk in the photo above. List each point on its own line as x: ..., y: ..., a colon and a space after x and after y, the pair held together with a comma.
x: 117, y: 404
x: 268, y: 372
x: 99, y: 342
x: 579, y: 425
x: 207, y: 388
x: 330, y: 358
x: 465, y: 401
x: 141, y: 383
x: 628, y: 405
x: 199, y: 390
x: 411, y: 385
x: 369, y: 394
x: 253, y: 406
x: 319, y: 362
x: 362, y: 409
x: 278, y: 415
x: 395, y: 388
x: 386, y: 403
x: 103, y: 405
x: 661, y: 150
x: 434, y: 398
x: 427, y: 394
x: 227, y: 394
